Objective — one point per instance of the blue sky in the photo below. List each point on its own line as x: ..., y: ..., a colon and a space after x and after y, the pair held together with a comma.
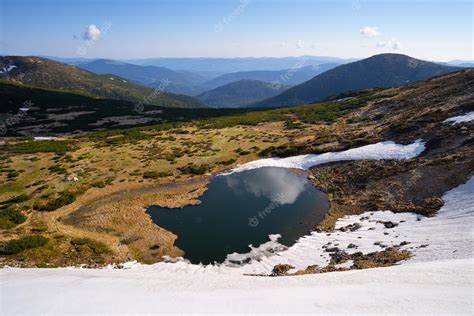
x: 435, y: 30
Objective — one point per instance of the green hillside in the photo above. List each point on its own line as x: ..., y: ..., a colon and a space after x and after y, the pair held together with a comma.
x: 48, y: 74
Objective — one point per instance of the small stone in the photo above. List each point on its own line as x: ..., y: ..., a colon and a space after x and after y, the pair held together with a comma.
x: 332, y: 249
x: 389, y: 224
x: 281, y: 269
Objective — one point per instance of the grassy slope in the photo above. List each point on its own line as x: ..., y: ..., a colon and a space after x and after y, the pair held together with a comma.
x: 45, y: 73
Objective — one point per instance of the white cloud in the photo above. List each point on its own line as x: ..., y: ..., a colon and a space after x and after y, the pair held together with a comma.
x: 92, y: 33
x: 370, y: 31
x: 299, y: 44
x: 391, y: 44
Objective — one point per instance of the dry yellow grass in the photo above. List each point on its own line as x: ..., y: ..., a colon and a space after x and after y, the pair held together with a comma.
x: 115, y: 213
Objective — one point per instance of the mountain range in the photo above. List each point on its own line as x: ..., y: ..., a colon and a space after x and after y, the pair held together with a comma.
x: 291, y: 76
x: 174, y: 81
x: 262, y: 88
x: 383, y: 70
x: 219, y: 66
x: 193, y: 84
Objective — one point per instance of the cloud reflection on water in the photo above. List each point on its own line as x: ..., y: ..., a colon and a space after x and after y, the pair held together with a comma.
x: 278, y: 184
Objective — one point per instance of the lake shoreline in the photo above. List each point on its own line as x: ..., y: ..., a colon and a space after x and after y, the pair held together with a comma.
x: 244, y: 208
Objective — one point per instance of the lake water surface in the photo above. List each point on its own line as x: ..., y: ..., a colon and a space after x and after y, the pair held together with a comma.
x: 241, y: 209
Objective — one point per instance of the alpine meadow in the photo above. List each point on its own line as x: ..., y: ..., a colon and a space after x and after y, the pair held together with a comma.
x: 236, y: 157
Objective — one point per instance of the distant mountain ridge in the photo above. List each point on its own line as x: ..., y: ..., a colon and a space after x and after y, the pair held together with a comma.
x: 142, y: 74
x: 240, y: 93
x: 382, y: 70
x: 292, y: 76
x: 221, y: 66
x: 45, y: 73
x: 190, y: 83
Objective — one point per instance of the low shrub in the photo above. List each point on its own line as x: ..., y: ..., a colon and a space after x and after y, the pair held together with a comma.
x: 17, y: 199
x: 181, y: 131
x: 98, y: 184
x: 57, y: 169
x: 94, y: 245
x: 63, y: 199
x: 102, y: 183
x: 156, y: 174
x: 10, y: 218
x: 195, y: 169
x: 292, y: 125
x: 55, y: 146
x: 12, y: 174
x: 17, y: 245
x: 357, y: 119
x: 227, y: 162
x: 284, y: 151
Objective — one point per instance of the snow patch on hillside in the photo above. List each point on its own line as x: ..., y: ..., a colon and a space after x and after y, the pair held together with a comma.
x: 378, y: 151
x: 44, y: 138
x: 461, y: 118
x: 7, y: 69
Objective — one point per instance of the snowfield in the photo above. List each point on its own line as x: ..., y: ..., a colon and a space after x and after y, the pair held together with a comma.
x: 461, y: 118
x: 439, y: 278
x: 439, y: 287
x: 378, y: 151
